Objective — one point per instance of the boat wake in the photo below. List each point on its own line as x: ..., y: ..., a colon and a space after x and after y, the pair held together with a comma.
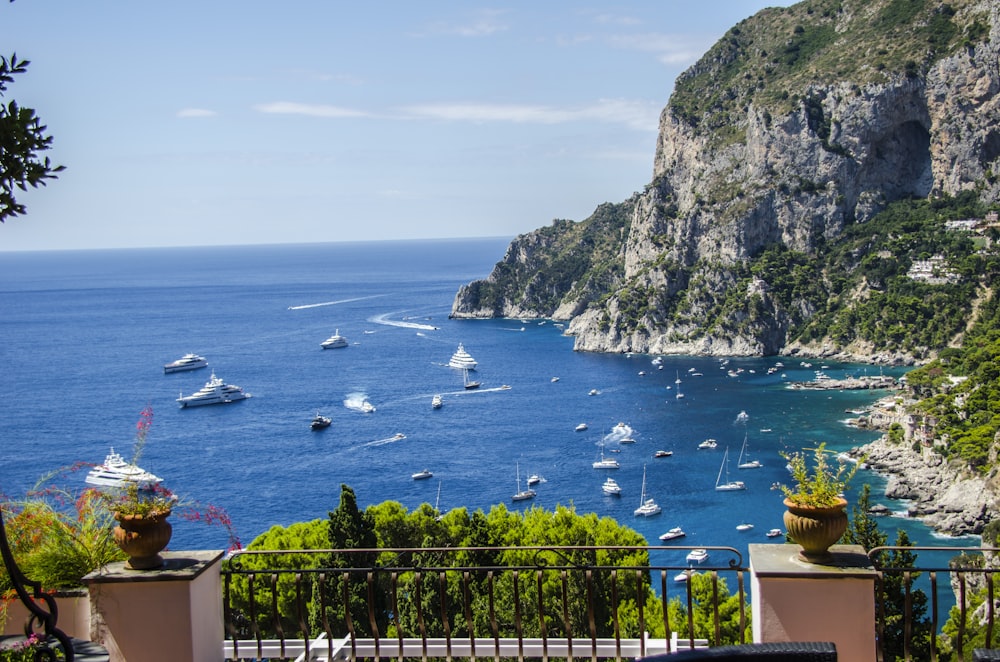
x: 399, y: 436
x: 358, y: 402
x: 333, y: 303
x: 384, y: 320
x: 618, y: 433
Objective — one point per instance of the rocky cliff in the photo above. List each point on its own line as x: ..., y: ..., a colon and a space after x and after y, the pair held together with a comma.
x: 800, y: 122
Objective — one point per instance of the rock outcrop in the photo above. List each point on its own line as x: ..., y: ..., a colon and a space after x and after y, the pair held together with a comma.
x: 800, y: 122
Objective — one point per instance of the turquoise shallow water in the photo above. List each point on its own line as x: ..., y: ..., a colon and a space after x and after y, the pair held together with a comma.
x: 86, y: 335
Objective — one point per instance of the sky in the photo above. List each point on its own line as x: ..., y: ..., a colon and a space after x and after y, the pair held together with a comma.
x: 193, y: 123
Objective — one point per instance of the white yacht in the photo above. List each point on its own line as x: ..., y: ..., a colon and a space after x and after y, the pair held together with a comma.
x: 708, y: 443
x: 116, y: 472
x: 334, y: 341
x: 436, y: 401
x: 611, y: 487
x: 647, y: 507
x: 186, y: 362
x: 581, y: 427
x: 673, y: 534
x: 745, y: 526
x: 697, y: 555
x: 773, y: 533
x: 420, y: 475
x: 214, y: 392
x: 462, y: 360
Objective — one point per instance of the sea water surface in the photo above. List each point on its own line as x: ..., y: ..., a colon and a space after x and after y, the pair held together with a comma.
x: 86, y: 334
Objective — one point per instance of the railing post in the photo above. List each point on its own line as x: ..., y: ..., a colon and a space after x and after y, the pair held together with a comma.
x: 794, y: 600
x: 167, y: 614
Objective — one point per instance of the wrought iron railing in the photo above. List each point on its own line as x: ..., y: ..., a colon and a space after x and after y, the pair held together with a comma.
x: 909, y: 600
x: 509, y: 602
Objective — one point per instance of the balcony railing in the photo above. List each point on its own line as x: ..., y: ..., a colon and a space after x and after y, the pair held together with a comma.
x: 510, y: 602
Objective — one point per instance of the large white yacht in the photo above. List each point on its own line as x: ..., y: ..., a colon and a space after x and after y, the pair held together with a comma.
x: 214, y: 392
x: 462, y: 360
x: 334, y: 341
x: 186, y: 362
x: 116, y: 472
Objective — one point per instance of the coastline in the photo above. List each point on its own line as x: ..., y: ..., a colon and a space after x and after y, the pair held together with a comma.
x: 946, y: 496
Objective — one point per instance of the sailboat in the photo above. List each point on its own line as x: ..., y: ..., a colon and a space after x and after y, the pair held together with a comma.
x: 647, y: 507
x: 468, y: 384
x: 729, y: 485
x: 606, y: 463
x: 521, y: 495
x: 677, y: 381
x: 747, y: 463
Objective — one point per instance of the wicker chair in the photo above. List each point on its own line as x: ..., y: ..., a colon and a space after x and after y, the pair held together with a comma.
x: 42, y: 620
x: 794, y: 651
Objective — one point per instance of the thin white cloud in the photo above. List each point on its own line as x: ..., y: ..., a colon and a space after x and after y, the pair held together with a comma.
x: 196, y: 112
x: 485, y: 23
x: 639, y: 115
x: 670, y: 49
x: 311, y: 110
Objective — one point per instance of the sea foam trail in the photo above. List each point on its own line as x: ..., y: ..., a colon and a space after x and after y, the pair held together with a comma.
x: 333, y: 303
x: 384, y: 319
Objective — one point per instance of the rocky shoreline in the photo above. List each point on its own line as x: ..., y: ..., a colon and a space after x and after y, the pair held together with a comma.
x: 946, y: 496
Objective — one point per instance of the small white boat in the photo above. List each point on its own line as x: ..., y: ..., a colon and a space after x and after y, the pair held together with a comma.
x: 436, y: 401
x: 744, y: 527
x: 611, y: 487
x: 594, y: 391
x: 673, y: 534
x: 421, y: 475
x: 697, y: 555
x: 534, y: 479
x: 334, y: 341
x: 116, y: 472
x: 626, y: 440
x: 708, y: 443
x: 684, y: 576
x: 581, y: 427
x: 663, y: 453
x: 773, y: 533
x: 186, y: 362
x: 554, y: 380
x: 647, y: 507
x: 366, y: 407
x: 319, y: 422
x: 729, y: 485
x: 214, y: 392
x: 462, y: 360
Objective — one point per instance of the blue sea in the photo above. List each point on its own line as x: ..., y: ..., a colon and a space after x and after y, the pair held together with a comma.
x: 86, y: 334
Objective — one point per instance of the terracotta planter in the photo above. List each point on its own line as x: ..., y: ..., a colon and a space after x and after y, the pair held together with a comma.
x: 815, y: 528
x: 143, y: 538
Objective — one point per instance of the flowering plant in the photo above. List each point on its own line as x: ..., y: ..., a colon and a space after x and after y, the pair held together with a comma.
x: 27, y: 650
x: 822, y: 488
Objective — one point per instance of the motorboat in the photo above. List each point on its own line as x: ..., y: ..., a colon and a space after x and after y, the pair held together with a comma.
x: 214, y: 392
x: 185, y: 363
x: 334, y: 341
x: 319, y: 422
x: 773, y: 533
x: 436, y: 401
x: 697, y: 555
x: 524, y: 494
x: 594, y: 391
x: 462, y: 360
x: 626, y: 440
x: 673, y: 534
x: 744, y: 526
x: 421, y: 475
x: 729, y: 485
x: 684, y: 576
x: 707, y: 444
x: 663, y: 453
x: 534, y: 479
x: 116, y: 472
x: 647, y: 507
x: 611, y: 487
x: 366, y: 407
x: 581, y: 427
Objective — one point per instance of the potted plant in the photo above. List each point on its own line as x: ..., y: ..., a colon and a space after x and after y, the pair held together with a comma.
x: 816, y: 517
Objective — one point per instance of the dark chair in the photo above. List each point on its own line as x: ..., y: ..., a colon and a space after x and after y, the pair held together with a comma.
x: 986, y: 655
x: 793, y: 651
x: 42, y: 620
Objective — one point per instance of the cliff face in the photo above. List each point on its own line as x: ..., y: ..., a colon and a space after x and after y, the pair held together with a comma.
x: 799, y: 123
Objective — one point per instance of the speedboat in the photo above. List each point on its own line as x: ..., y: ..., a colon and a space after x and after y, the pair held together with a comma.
x: 744, y: 526
x: 366, y: 407
x: 684, y: 576
x: 534, y: 479
x: 611, y: 487
x: 462, y: 360
x: 773, y: 533
x: 334, y: 341
x: 420, y: 475
x: 708, y: 443
x: 673, y: 534
x: 214, y: 392
x: 697, y: 555
x: 581, y: 427
x: 320, y: 422
x: 436, y: 401
x: 186, y: 362
x: 116, y: 472
x: 594, y: 391
x: 663, y: 453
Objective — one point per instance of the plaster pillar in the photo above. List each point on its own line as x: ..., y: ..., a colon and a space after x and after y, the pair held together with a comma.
x: 794, y: 600
x: 162, y: 615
